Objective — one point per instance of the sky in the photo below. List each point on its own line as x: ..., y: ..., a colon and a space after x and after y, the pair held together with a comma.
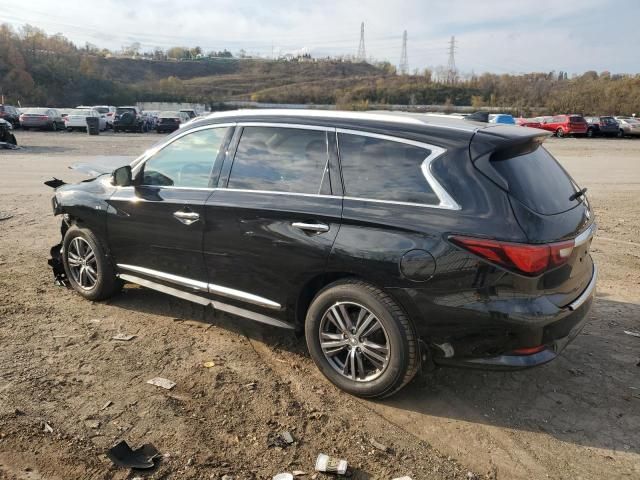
x: 499, y: 36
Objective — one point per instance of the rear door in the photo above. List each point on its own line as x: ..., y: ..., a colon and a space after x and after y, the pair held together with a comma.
x: 155, y: 228
x: 272, y: 222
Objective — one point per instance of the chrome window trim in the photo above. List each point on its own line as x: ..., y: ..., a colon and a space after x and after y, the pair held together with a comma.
x: 585, y: 236
x: 295, y: 126
x: 445, y: 200
x: 204, y: 286
x: 277, y: 192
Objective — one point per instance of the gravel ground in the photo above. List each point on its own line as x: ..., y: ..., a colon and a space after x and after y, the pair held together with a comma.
x: 578, y: 417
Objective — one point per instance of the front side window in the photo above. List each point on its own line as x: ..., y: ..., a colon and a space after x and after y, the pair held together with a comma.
x: 280, y: 160
x: 186, y: 162
x: 379, y: 169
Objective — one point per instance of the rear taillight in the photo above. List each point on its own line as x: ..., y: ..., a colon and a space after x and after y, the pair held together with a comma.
x: 531, y: 260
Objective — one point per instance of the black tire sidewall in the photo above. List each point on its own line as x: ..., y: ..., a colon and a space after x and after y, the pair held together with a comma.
x: 105, y: 269
x: 398, y: 343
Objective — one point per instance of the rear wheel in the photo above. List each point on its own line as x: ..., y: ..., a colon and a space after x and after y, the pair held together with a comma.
x: 590, y: 133
x: 361, y: 340
x: 620, y: 134
x: 54, y: 127
x: 559, y: 133
x: 89, y: 270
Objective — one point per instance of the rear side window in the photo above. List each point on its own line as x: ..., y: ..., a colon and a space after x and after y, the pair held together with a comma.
x: 576, y: 119
x: 379, y: 169
x: 186, y: 162
x: 280, y: 160
x: 538, y: 181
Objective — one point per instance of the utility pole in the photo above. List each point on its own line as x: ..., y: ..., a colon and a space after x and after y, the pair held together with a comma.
x: 362, y: 54
x: 404, y: 63
x: 452, y: 72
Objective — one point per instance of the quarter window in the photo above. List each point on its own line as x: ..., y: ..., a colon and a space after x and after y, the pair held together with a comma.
x: 186, y: 162
x: 280, y: 159
x: 379, y: 169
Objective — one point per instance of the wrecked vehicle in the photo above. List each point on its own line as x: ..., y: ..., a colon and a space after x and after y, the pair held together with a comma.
x: 388, y: 239
x: 7, y: 138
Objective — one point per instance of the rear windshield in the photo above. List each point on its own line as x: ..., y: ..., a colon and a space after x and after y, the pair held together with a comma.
x: 576, y: 119
x: 39, y: 111
x: 125, y: 110
x: 169, y: 115
x: 101, y: 109
x: 80, y: 111
x: 537, y: 180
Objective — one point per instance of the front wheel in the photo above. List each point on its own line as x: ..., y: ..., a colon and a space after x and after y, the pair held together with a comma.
x: 361, y: 339
x: 620, y: 134
x: 54, y: 127
x: 590, y: 133
x: 89, y: 270
x: 559, y: 133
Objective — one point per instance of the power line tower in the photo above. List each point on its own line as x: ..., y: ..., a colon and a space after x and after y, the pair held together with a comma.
x: 362, y: 54
x: 452, y: 72
x: 404, y: 63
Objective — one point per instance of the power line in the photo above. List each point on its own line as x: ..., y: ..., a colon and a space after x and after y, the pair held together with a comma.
x: 362, y: 55
x: 404, y: 63
x: 452, y: 72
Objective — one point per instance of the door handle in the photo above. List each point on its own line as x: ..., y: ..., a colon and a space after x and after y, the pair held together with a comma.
x: 187, y: 217
x: 311, y: 227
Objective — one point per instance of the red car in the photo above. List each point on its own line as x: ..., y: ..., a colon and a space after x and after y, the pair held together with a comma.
x: 528, y: 122
x: 565, y: 125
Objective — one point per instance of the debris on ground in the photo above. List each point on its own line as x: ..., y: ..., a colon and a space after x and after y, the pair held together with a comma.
x: 227, y: 477
x: 122, y: 455
x: 123, y: 337
x: 633, y: 334
x: 162, y: 382
x: 298, y: 473
x: 402, y: 478
x: 576, y: 372
x: 5, y: 216
x: 250, y: 386
x: 47, y: 428
x: 283, y: 476
x: 208, y: 364
x: 107, y: 404
x: 92, y: 424
x: 327, y: 464
x: 378, y: 445
x: 282, y: 440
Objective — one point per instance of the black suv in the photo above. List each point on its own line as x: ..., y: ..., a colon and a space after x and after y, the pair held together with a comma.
x: 602, y: 126
x: 10, y: 114
x: 388, y: 239
x: 128, y: 119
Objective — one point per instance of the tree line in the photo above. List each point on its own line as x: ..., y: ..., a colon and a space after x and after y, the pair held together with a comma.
x: 49, y: 70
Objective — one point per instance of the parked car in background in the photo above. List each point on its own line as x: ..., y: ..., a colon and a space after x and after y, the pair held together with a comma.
x: 502, y: 118
x: 64, y: 112
x: 190, y: 113
x: 41, y: 118
x: 628, y: 126
x: 128, y: 119
x: 528, y: 122
x: 461, y: 242
x: 108, y: 111
x: 171, y: 121
x: 565, y: 125
x: 77, y: 119
x: 10, y: 114
x: 6, y: 134
x: 605, y: 126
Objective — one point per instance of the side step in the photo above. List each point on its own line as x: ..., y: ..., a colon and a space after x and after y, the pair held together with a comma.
x: 223, y: 307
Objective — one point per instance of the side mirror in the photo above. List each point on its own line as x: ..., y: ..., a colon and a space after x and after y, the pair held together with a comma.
x: 121, y: 177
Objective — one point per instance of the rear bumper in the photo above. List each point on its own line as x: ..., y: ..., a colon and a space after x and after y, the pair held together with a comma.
x: 556, y: 335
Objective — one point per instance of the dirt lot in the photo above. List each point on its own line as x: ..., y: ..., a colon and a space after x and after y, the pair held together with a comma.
x: 578, y: 417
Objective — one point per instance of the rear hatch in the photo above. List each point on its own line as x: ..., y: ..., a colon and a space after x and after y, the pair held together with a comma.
x: 577, y: 122
x: 545, y: 200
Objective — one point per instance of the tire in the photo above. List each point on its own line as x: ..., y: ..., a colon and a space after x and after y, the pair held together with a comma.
x: 371, y: 379
x: 69, y: 129
x: 559, y: 133
x: 591, y: 133
x: 12, y: 139
x: 100, y: 285
x: 54, y: 127
x: 620, y: 134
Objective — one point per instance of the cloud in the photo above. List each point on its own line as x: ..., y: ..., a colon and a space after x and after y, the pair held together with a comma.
x: 492, y: 35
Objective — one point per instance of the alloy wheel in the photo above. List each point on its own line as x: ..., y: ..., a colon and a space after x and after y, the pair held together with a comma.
x: 82, y: 262
x: 354, y: 342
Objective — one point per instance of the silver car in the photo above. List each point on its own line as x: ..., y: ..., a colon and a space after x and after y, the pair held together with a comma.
x: 629, y: 126
x: 42, y: 118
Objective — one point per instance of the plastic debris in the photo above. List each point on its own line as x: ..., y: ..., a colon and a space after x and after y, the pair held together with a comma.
x: 107, y: 404
x: 208, y: 364
x: 123, y: 337
x: 327, y: 464
x: 283, y: 476
x: 122, y: 455
x: 162, y: 382
x: 633, y: 334
x: 47, y: 428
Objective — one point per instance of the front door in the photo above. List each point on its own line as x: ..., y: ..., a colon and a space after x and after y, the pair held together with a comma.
x: 271, y: 225
x: 156, y: 227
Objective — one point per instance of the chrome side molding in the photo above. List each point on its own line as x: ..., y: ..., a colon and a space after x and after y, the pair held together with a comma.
x: 223, y: 307
x: 584, y: 296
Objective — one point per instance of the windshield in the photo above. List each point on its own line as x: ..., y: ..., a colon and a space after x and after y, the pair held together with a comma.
x: 102, y: 109
x: 125, y: 110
